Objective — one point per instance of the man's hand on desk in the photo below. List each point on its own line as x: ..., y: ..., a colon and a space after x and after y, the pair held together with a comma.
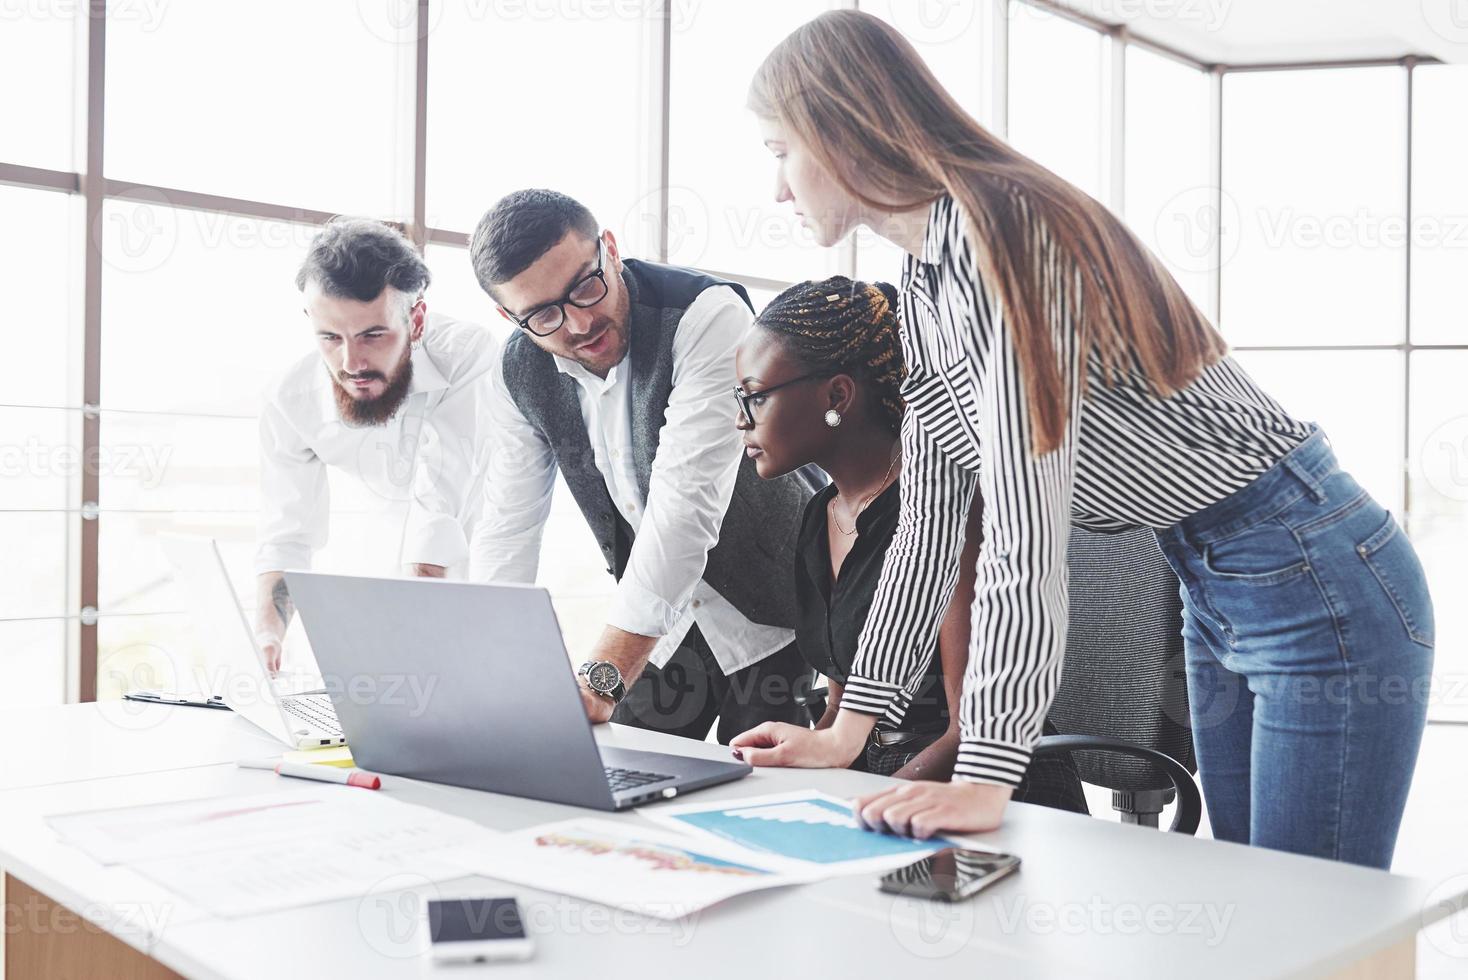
x: 428, y: 571
x: 273, y: 611
x: 270, y: 644
x: 920, y: 810
x: 598, y: 708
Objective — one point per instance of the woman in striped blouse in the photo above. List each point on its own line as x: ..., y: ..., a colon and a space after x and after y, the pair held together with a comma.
x: 1059, y: 371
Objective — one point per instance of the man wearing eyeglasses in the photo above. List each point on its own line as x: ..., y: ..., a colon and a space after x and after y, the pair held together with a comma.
x: 618, y: 377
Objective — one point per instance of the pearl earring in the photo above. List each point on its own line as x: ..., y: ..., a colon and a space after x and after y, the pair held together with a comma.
x: 833, y: 418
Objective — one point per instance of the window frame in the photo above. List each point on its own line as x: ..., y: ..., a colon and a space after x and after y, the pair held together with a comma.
x: 91, y: 184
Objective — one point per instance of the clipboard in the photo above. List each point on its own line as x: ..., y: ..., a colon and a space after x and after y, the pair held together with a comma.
x: 168, y: 697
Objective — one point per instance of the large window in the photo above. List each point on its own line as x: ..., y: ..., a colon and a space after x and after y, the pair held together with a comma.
x: 1439, y: 204
x: 40, y: 452
x: 953, y: 42
x: 1321, y: 212
x: 39, y: 49
x: 721, y: 179
x: 1170, y: 200
x: 1316, y: 253
x: 1437, y: 437
x: 1313, y: 252
x: 1279, y: 199
x: 296, y: 103
x: 1438, y: 443
x: 585, y: 131
x: 1056, y: 95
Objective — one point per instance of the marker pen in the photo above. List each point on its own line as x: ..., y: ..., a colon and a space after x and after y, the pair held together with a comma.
x: 322, y: 774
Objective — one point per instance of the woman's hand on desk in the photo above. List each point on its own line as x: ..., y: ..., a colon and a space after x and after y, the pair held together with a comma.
x: 920, y: 810
x: 777, y: 744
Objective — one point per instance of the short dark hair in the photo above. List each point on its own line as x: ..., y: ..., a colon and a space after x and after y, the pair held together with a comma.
x: 520, y: 228
x: 357, y: 258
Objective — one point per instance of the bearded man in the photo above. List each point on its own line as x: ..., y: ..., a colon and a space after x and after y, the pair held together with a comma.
x: 393, y: 397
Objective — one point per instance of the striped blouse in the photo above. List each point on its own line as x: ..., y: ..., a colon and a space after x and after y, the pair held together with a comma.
x: 1128, y: 459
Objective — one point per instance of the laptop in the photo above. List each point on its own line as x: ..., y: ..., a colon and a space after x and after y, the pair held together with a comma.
x: 470, y: 684
x: 293, y: 708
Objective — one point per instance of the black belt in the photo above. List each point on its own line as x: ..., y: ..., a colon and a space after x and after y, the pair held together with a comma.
x: 889, y: 737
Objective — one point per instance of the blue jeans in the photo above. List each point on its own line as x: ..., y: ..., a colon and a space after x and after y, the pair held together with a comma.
x: 1308, y: 635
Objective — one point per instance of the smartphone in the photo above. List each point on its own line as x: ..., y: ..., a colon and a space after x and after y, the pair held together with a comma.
x: 477, y: 930
x: 950, y: 875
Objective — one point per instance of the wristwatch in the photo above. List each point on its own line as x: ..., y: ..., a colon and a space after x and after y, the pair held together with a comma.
x: 604, y: 678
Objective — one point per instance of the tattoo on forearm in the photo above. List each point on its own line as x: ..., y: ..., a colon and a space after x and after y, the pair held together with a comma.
x: 281, y: 596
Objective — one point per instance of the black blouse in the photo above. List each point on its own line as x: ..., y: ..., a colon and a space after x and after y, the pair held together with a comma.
x: 831, y: 615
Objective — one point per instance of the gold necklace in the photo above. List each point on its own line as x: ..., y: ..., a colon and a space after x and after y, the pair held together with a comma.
x: 866, y: 501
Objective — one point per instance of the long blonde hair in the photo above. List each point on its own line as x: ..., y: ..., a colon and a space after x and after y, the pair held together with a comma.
x: 853, y: 89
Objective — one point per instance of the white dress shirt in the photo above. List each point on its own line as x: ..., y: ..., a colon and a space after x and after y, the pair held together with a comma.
x: 425, y: 464
x: 661, y: 592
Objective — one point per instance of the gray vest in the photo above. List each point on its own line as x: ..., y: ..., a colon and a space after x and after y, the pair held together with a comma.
x: 753, y: 564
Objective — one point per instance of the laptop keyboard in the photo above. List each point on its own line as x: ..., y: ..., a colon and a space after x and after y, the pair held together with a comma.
x: 621, y: 779
x: 315, y: 709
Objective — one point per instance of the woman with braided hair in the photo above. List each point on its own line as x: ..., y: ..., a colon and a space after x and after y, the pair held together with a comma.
x: 819, y: 382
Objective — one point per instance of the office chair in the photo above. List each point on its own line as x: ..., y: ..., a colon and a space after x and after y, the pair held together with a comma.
x: 1122, y: 706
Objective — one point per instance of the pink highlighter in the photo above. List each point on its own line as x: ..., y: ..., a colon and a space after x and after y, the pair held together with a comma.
x: 322, y: 774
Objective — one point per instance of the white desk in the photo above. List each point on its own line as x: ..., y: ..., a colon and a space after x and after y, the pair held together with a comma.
x: 1094, y: 898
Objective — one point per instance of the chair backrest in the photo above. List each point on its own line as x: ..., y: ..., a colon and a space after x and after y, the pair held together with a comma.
x: 1124, y: 675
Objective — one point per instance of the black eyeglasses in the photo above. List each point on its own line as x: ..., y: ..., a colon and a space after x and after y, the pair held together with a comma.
x: 750, y: 400
x: 584, y: 293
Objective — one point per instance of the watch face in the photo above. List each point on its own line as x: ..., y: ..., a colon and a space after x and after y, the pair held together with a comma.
x: 603, y: 678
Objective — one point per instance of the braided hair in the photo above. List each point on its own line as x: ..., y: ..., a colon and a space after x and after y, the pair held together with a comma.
x: 844, y: 327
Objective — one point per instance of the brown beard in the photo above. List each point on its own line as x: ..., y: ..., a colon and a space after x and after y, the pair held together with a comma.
x: 379, y: 410
x: 620, y: 321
